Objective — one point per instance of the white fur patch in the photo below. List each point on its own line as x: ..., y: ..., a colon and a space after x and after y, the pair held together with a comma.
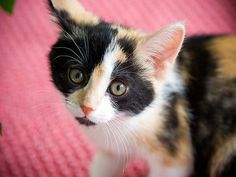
x: 173, y: 83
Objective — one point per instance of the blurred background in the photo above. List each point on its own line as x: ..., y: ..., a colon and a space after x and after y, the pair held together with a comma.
x: 39, y: 137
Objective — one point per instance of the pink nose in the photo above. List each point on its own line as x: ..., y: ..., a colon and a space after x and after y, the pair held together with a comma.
x: 87, y: 110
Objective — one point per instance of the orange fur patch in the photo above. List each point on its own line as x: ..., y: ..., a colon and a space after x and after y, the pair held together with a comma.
x: 129, y: 33
x: 120, y: 56
x: 224, y: 49
x: 93, y: 94
x: 76, y: 11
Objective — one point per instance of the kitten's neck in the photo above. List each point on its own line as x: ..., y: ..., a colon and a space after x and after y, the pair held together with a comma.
x: 166, y: 122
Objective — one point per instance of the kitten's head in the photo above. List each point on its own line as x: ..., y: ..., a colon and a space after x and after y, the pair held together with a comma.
x: 107, y: 71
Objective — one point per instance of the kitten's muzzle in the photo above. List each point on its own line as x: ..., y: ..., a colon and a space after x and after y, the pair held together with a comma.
x: 85, y: 121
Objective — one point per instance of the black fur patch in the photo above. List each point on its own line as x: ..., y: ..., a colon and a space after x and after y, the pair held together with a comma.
x: 140, y: 91
x: 92, y: 44
x: 170, y: 136
x: 201, y: 67
x: 127, y: 45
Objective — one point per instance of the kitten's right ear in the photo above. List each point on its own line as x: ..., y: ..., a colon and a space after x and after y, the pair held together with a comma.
x: 71, y: 12
x: 161, y: 48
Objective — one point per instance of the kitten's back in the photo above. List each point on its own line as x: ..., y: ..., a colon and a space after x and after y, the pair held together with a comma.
x: 208, y: 66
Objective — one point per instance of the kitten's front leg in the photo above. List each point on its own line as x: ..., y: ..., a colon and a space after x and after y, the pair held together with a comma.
x: 106, y: 165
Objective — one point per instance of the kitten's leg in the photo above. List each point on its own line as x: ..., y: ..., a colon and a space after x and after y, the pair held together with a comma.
x: 106, y: 165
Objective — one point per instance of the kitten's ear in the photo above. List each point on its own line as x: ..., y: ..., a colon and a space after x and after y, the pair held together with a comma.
x: 71, y: 12
x: 162, y: 47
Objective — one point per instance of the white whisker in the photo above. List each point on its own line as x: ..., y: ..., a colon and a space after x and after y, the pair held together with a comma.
x: 67, y: 49
x: 66, y: 56
x: 75, y: 43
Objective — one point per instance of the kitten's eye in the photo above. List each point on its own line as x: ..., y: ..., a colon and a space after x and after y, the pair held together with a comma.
x: 118, y: 88
x: 75, y: 76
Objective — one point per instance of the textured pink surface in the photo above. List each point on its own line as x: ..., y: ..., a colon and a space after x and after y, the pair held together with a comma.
x: 39, y: 137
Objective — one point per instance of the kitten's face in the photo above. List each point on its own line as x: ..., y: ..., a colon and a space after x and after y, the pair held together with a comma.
x: 108, y: 72
x: 99, y: 75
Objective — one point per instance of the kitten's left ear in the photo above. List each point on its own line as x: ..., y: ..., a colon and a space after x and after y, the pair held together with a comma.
x: 71, y: 12
x: 162, y: 47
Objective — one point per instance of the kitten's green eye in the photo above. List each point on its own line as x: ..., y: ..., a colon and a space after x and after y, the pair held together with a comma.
x: 118, y: 88
x: 76, y: 76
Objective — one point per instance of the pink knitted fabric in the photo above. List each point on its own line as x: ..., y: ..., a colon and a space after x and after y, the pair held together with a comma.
x: 40, y: 138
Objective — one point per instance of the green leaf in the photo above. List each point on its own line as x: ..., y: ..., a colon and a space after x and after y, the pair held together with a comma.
x: 7, y: 5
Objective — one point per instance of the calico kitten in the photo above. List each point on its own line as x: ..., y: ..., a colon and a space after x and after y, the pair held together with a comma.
x: 134, y: 94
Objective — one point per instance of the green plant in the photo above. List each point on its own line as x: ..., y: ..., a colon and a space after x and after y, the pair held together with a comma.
x: 7, y: 5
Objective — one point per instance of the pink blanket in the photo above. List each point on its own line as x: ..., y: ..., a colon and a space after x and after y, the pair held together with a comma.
x: 40, y: 138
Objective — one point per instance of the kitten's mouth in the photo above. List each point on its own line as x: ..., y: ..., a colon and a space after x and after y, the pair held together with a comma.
x: 85, y: 121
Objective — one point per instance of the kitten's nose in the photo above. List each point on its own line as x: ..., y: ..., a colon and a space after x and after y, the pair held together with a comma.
x: 87, y: 110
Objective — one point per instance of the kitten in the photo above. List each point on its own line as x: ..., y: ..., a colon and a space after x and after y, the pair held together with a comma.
x: 134, y: 94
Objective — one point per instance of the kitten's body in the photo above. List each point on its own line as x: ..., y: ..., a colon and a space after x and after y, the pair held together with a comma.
x: 208, y: 66
x: 179, y: 116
